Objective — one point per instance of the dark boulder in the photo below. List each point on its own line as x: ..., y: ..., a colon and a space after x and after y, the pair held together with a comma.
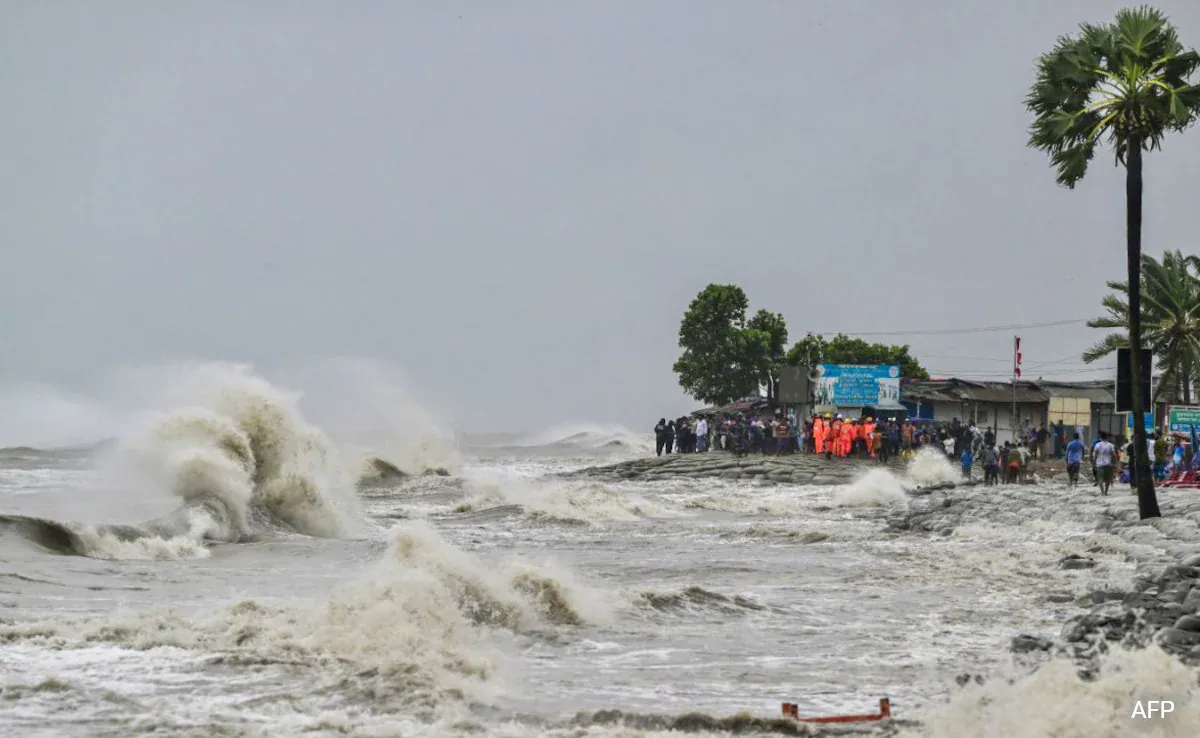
x: 1076, y: 562
x: 1028, y: 644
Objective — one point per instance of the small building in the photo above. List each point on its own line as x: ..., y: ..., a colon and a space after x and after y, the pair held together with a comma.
x: 1088, y: 406
x: 982, y: 403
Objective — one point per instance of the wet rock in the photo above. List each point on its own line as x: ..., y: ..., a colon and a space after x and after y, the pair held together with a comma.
x: 1076, y: 562
x: 1027, y: 644
x: 1176, y: 595
x: 1101, y: 596
x: 1179, y: 573
x: 1175, y: 637
x: 1192, y: 603
x: 1192, y: 561
x: 1189, y: 623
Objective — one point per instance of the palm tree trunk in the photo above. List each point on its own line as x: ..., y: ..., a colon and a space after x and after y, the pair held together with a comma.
x: 1187, y: 386
x: 1147, y: 501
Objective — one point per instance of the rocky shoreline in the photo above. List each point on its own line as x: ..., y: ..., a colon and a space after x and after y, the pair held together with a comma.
x: 771, y: 469
x: 1162, y: 605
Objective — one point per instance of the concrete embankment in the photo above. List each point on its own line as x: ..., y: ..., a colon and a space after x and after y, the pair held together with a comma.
x: 772, y: 469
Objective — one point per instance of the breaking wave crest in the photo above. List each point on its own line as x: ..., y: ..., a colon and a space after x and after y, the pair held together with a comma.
x: 695, y: 598
x: 239, y: 459
x: 412, y: 633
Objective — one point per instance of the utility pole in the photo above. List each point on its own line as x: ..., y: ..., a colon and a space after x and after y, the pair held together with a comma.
x: 1016, y: 375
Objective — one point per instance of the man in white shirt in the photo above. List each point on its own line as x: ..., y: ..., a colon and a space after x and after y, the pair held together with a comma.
x: 701, y: 435
x: 1105, y: 456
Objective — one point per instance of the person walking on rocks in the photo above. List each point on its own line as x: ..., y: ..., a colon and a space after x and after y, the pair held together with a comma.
x: 670, y: 437
x: 991, y: 465
x: 1105, y: 456
x: 660, y: 436
x: 1075, y: 451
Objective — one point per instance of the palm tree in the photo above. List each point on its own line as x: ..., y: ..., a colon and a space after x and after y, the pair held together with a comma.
x: 1170, y: 320
x: 1128, y: 82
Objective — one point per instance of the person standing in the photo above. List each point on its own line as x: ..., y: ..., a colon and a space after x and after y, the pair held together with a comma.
x: 991, y: 465
x: 670, y: 437
x: 660, y: 436
x: 701, y: 434
x: 1105, y: 457
x: 1075, y: 451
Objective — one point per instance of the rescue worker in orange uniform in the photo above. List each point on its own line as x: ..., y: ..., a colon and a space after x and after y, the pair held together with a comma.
x: 833, y: 431
x: 869, y: 433
x: 819, y: 435
x: 847, y: 438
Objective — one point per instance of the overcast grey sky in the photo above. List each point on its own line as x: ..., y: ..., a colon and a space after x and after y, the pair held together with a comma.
x: 515, y: 201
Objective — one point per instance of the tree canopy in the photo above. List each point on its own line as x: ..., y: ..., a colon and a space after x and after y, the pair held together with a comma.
x: 1170, y: 320
x: 727, y: 357
x: 843, y: 349
x: 1127, y: 82
x: 723, y: 357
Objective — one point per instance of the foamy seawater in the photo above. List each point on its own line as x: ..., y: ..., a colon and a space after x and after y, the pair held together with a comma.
x: 501, y: 601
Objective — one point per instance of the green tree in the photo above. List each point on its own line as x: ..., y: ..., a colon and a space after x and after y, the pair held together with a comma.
x: 722, y: 359
x: 843, y: 349
x: 808, y: 351
x: 1170, y: 320
x: 1127, y: 82
x: 767, y: 334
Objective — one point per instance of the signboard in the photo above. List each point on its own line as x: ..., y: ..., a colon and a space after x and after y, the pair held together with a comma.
x: 1148, y: 418
x: 793, y: 385
x: 1181, y: 418
x: 1123, y: 389
x: 853, y: 385
x: 1072, y: 411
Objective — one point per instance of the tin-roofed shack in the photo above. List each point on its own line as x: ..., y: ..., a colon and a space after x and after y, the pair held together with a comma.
x: 1087, y: 405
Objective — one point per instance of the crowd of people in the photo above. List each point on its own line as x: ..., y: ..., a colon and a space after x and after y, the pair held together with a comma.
x: 832, y: 435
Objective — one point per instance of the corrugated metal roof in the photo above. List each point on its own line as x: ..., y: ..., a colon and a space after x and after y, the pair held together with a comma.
x: 1100, y: 391
x: 954, y: 389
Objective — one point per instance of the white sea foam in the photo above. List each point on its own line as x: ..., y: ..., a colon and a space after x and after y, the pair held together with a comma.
x: 1054, y: 701
x: 878, y: 487
x: 931, y: 467
x: 413, y: 629
x: 561, y: 500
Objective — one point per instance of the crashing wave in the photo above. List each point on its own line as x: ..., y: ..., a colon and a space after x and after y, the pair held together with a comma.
x: 241, y: 461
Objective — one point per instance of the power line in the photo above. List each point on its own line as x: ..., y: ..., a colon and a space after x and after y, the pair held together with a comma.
x: 1001, y: 376
x: 950, y: 331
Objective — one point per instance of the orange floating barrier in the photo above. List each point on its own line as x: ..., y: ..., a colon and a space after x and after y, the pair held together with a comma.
x: 790, y: 709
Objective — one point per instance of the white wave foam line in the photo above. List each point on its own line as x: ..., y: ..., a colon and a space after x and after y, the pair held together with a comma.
x: 1054, y: 701
x: 189, y: 544
x: 587, y: 502
x: 592, y: 437
x: 931, y: 467
x: 876, y: 488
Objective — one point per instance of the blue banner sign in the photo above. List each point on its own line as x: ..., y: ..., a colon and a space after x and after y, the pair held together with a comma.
x: 1147, y: 418
x: 854, y: 385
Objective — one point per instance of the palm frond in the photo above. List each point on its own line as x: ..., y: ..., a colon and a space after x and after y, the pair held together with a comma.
x: 1127, y: 82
